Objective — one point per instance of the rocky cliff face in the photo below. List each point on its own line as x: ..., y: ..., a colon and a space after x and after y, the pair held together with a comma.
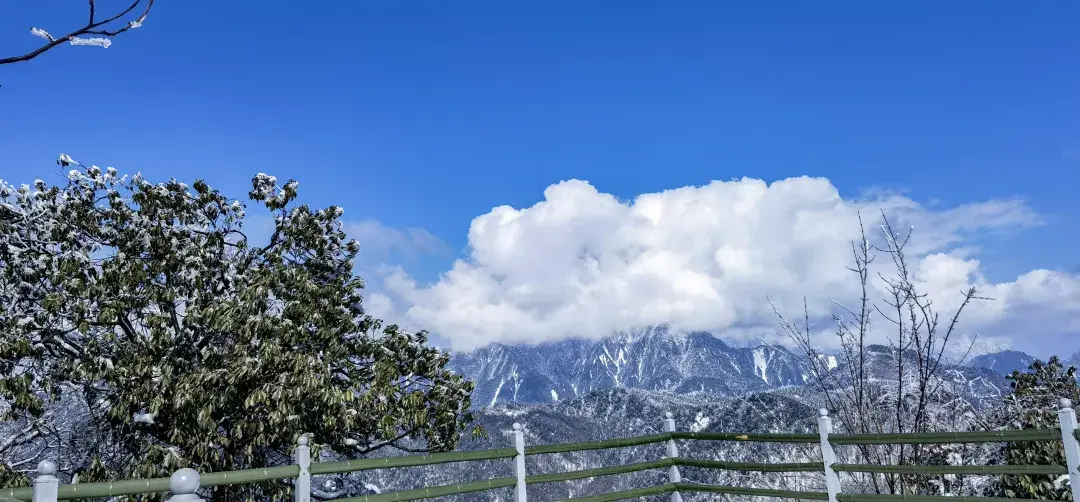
x: 652, y: 359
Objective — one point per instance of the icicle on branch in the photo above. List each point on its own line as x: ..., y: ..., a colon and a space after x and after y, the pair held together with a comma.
x: 98, y: 31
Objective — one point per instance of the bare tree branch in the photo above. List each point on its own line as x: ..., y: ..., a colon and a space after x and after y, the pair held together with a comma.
x: 103, y: 28
x: 860, y: 400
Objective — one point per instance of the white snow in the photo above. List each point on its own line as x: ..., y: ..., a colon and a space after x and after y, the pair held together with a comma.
x: 761, y: 364
x: 38, y: 32
x: 497, y: 391
x: 700, y: 422
x: 617, y: 361
x: 144, y: 418
x: 554, y: 395
x: 104, y: 43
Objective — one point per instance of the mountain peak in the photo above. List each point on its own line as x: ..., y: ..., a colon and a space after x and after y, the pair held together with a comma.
x: 655, y: 358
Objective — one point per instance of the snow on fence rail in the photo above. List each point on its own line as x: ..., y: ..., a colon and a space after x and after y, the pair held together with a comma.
x: 185, y: 484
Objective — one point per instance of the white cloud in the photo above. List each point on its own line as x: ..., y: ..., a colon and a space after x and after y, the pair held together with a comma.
x: 378, y: 241
x: 582, y: 263
x: 379, y: 244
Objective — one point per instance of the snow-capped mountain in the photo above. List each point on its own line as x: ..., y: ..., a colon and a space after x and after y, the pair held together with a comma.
x: 652, y: 359
x: 1004, y: 362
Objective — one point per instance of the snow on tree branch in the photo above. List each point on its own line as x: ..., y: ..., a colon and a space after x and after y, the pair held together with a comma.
x: 97, y: 31
x: 143, y: 303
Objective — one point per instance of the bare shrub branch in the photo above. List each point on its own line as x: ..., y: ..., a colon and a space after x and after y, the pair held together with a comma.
x: 860, y: 400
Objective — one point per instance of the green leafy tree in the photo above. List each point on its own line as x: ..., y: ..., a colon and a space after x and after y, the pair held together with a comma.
x: 1033, y: 404
x: 192, y: 346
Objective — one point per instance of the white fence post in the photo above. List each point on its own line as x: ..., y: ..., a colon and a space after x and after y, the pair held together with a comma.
x: 1067, y: 419
x: 519, y: 464
x: 184, y: 485
x: 828, y: 455
x: 302, y: 458
x: 673, y: 453
x: 46, y: 484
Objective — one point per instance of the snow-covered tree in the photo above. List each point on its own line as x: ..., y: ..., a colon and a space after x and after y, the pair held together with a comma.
x: 1033, y: 404
x: 190, y: 345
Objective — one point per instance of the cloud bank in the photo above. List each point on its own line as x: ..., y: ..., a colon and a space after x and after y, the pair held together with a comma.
x: 582, y: 263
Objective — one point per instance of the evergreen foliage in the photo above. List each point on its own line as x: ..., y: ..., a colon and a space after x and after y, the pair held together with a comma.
x: 193, y: 347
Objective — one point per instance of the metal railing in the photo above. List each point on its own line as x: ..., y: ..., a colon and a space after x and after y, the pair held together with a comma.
x: 185, y: 484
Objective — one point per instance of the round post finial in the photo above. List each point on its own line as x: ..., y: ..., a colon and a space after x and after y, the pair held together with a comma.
x: 302, y: 440
x: 1065, y: 403
x: 517, y: 426
x: 46, y: 468
x: 667, y: 414
x: 822, y: 412
x: 184, y: 482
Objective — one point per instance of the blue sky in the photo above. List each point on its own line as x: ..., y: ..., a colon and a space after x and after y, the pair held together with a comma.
x: 429, y: 114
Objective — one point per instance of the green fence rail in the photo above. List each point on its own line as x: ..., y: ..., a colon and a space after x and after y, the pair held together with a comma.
x: 186, y: 483
x: 920, y: 498
x: 949, y: 437
x: 600, y: 471
x: 749, y: 466
x: 596, y: 445
x: 364, y: 464
x: 975, y: 470
x: 697, y: 487
x: 435, y: 491
x: 734, y: 436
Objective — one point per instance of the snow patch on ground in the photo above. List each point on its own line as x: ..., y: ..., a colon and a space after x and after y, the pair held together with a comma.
x: 497, y: 391
x: 700, y: 422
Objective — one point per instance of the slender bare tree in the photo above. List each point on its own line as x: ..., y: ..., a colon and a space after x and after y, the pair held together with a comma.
x: 851, y: 381
x: 98, y: 30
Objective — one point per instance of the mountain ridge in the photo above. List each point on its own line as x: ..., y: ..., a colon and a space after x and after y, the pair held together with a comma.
x: 661, y: 359
x: 652, y: 359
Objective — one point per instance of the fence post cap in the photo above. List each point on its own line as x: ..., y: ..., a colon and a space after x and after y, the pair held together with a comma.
x: 667, y: 414
x: 184, y: 482
x: 1065, y: 403
x: 46, y: 468
x: 822, y: 412
x: 517, y: 426
x: 302, y: 440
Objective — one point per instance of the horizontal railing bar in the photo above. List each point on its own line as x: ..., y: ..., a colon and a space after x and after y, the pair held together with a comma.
x: 920, y: 498
x: 599, y: 471
x: 977, y: 470
x: 20, y: 493
x: 625, y: 494
x: 157, y: 485
x: 750, y: 466
x: 734, y: 436
x: 948, y: 437
x: 697, y: 487
x: 435, y: 491
x: 249, y: 475
x: 112, y: 489
x: 363, y: 464
x: 759, y: 492
x: 596, y: 445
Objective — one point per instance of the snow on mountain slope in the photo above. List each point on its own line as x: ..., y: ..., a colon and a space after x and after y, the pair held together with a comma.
x: 654, y: 359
